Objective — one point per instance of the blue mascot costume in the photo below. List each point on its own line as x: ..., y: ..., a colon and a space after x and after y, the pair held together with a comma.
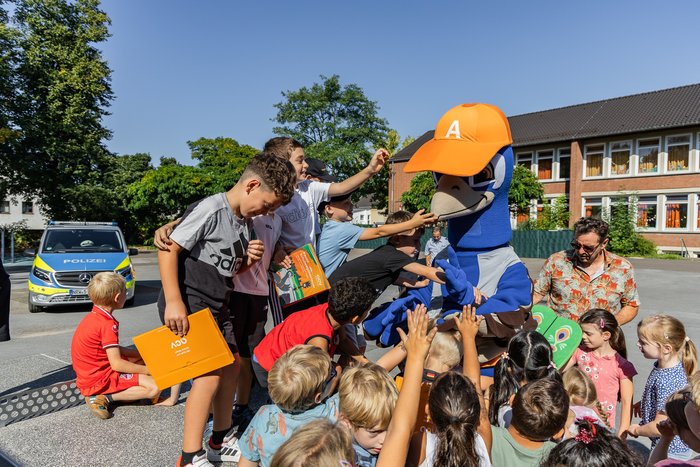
x: 472, y: 161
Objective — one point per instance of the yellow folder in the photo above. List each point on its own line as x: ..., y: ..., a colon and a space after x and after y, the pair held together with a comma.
x: 172, y: 359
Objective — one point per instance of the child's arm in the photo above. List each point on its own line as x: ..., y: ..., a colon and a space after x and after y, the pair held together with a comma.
x: 419, y: 220
x: 415, y: 284
x: 254, y: 253
x: 404, y: 417
x: 468, y: 325
x: 434, y: 274
x: 626, y: 395
x: 667, y: 430
x: 131, y: 354
x: 280, y: 256
x: 349, y: 184
x: 175, y: 316
x: 120, y: 365
x: 649, y: 430
x: 392, y: 358
x: 319, y: 342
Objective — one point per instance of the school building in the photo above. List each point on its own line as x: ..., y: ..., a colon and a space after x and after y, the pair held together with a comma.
x: 645, y: 146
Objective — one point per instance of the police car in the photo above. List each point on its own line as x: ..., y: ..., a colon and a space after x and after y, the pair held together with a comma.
x: 69, y: 255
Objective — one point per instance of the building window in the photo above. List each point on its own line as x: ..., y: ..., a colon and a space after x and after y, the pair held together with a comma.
x: 544, y: 165
x: 5, y: 207
x: 524, y: 159
x: 646, y: 212
x: 620, y: 158
x: 564, y: 164
x: 648, y: 151
x: 27, y: 207
x: 676, y: 212
x: 594, y: 160
x: 678, y: 149
x: 593, y: 207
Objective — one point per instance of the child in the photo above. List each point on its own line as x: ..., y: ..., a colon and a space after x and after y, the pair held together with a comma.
x: 528, y: 358
x: 602, y: 357
x: 211, y: 243
x: 592, y: 445
x: 677, y: 423
x: 382, y: 266
x: 367, y: 399
x: 583, y: 400
x: 319, y: 443
x: 105, y: 371
x: 540, y: 409
x: 349, y: 301
x: 300, y: 383
x: 461, y: 434
x: 339, y: 234
x: 663, y: 338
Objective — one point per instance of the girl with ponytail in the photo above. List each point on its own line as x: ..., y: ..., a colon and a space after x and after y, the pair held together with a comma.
x: 602, y: 357
x: 528, y: 358
x: 663, y: 338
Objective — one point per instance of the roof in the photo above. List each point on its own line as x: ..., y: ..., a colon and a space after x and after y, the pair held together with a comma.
x: 667, y: 108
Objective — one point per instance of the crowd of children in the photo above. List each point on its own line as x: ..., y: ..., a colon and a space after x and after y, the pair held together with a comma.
x: 440, y: 411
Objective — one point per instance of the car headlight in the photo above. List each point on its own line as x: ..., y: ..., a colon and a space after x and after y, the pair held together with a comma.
x: 124, y: 272
x: 41, y: 274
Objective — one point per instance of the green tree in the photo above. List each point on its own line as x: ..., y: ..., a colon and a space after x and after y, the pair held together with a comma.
x: 420, y: 193
x: 524, y: 187
x: 63, y: 89
x: 624, y: 238
x: 8, y: 100
x: 339, y: 125
x: 224, y: 159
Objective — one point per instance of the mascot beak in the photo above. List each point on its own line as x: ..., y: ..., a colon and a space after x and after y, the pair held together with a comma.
x: 455, y: 198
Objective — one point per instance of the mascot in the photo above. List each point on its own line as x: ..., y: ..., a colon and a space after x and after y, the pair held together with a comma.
x: 472, y: 162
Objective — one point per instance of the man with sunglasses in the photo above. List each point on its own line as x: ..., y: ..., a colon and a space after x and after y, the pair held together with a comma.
x: 587, y: 276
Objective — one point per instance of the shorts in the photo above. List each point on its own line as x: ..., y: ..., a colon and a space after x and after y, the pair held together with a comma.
x: 249, y: 316
x: 221, y: 316
x: 117, y: 382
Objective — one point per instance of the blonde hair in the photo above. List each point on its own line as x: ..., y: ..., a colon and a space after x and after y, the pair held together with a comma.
x: 667, y: 330
x: 104, y: 287
x: 297, y: 377
x: 319, y: 443
x: 367, y: 396
x: 582, y: 391
x: 447, y: 348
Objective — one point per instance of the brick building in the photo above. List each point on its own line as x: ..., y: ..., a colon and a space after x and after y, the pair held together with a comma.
x: 645, y: 145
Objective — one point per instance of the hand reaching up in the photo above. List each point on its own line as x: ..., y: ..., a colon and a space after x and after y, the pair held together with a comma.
x: 468, y: 322
x: 418, y: 340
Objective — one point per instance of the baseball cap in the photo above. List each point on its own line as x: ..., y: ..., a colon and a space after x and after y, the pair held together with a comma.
x: 334, y: 199
x: 317, y: 168
x: 466, y: 138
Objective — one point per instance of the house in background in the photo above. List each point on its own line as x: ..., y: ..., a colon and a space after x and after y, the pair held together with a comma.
x: 13, y: 211
x: 364, y: 214
x: 644, y: 145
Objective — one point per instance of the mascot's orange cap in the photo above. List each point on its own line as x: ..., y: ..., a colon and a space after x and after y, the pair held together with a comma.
x: 466, y: 138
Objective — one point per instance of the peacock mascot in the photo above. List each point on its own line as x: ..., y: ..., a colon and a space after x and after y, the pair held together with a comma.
x: 472, y: 161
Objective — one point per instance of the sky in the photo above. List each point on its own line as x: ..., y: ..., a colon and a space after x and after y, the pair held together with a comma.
x: 185, y: 69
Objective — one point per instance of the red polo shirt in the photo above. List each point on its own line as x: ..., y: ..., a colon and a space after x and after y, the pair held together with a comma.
x: 95, y: 333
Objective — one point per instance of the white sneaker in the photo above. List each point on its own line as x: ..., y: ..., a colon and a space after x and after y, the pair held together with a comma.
x: 229, y: 450
x: 198, y: 461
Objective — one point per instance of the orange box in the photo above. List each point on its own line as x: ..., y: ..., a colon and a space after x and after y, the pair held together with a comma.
x: 305, y: 278
x: 172, y: 359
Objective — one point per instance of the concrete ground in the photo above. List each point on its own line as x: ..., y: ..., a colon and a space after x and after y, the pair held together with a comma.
x: 39, y: 354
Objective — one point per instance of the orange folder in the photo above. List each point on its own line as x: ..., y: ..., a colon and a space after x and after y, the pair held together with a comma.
x: 172, y: 359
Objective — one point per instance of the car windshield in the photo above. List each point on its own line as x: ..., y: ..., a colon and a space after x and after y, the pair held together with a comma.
x: 82, y: 241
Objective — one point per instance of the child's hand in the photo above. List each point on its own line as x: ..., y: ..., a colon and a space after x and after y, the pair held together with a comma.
x: 667, y: 429
x: 161, y: 239
x: 633, y: 431
x: 175, y: 318
x: 468, y: 322
x: 479, y: 297
x: 418, y: 341
x: 420, y: 219
x: 255, y: 251
x: 637, y: 409
x: 378, y: 160
x: 281, y: 258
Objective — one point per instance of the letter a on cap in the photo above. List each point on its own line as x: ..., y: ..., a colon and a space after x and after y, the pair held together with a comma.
x: 454, y: 130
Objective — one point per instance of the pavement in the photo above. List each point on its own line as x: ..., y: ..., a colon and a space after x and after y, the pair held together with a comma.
x: 39, y: 355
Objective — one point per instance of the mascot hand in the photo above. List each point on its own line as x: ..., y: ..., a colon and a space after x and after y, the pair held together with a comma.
x: 456, y: 284
x: 388, y: 315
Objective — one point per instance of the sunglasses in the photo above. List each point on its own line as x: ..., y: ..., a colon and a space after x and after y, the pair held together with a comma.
x: 328, y: 384
x: 588, y: 249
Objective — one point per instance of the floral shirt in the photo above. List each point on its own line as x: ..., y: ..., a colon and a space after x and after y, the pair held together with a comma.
x: 571, y: 291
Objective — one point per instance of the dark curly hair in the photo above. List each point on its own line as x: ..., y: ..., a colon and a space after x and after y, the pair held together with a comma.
x: 591, y: 224
x: 274, y: 173
x: 598, y: 446
x: 350, y: 297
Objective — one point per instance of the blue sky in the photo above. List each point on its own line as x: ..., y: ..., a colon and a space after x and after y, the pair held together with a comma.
x: 185, y: 69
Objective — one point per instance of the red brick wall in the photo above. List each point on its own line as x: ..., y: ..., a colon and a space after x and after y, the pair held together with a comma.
x: 401, y: 183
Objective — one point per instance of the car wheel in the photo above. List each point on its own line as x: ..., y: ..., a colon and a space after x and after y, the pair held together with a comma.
x: 35, y: 308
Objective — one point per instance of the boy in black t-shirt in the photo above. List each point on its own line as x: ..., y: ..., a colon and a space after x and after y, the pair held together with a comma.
x: 383, y: 266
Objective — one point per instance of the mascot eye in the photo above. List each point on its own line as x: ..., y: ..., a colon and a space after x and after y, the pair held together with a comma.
x: 483, y: 177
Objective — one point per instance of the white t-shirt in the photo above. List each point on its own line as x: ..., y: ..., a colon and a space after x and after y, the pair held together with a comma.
x: 431, y: 447
x: 254, y: 280
x: 300, y: 223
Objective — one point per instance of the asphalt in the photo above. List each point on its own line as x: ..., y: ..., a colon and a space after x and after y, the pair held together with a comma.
x: 39, y: 355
